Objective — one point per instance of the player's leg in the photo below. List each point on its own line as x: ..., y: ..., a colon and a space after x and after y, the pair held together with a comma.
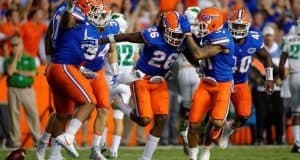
x: 118, y: 115
x: 188, y: 80
x: 295, y: 91
x: 68, y: 81
x: 200, y: 103
x: 44, y: 139
x: 58, y: 121
x: 160, y: 107
x: 141, y: 113
x: 241, y: 99
x: 101, y: 92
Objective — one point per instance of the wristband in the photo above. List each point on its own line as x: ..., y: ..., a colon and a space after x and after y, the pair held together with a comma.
x: 111, y: 38
x: 188, y: 34
x: 269, y: 73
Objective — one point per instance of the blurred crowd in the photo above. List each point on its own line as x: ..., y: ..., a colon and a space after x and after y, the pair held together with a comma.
x: 28, y: 19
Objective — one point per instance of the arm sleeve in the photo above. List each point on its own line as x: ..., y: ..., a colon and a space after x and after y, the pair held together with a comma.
x: 151, y: 36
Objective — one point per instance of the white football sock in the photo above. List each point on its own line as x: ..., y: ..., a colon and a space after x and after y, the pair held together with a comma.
x: 296, y: 134
x: 115, y: 143
x: 193, y: 153
x: 104, y: 137
x: 55, y: 151
x: 150, y: 147
x: 74, y: 126
x: 96, y: 140
x: 45, y: 137
x: 125, y: 108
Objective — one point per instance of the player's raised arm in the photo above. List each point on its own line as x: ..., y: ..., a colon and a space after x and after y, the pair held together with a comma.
x: 198, y: 52
x: 48, y: 45
x: 126, y: 37
x: 67, y: 20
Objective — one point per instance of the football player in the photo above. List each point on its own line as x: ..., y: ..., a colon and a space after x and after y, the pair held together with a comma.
x: 149, y: 88
x: 213, y: 92
x: 291, y: 51
x: 71, y: 37
x: 93, y: 69
x: 188, y: 79
x: 247, y: 44
x: 128, y: 54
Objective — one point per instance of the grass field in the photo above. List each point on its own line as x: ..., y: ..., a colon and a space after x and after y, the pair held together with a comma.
x: 175, y: 153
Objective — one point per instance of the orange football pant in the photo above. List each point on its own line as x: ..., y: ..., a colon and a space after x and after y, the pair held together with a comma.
x: 213, y: 98
x: 241, y: 99
x: 150, y: 98
x: 69, y: 87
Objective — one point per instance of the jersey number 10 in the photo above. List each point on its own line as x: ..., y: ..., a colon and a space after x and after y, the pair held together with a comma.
x: 244, y: 66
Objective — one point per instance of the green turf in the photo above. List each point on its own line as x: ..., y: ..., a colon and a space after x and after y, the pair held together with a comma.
x: 175, y: 153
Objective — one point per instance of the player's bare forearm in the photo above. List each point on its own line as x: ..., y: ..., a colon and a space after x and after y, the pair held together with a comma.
x: 205, y: 52
x: 126, y: 37
x: 282, y: 61
x: 265, y: 56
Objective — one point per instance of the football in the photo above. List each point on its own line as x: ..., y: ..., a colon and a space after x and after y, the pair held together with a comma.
x: 16, y: 154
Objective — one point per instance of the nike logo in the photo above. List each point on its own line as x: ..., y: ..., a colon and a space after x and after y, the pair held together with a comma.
x: 67, y: 142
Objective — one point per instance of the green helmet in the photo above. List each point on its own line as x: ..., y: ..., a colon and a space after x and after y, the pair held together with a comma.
x: 120, y: 18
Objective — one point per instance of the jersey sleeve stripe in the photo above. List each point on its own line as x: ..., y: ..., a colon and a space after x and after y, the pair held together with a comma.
x: 224, y: 41
x: 78, y: 16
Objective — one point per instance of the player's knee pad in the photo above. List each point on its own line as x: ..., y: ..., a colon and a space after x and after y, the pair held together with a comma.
x: 218, y: 123
x: 118, y: 114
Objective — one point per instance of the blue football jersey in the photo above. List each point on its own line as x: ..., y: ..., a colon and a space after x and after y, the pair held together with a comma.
x: 243, y: 55
x: 219, y: 66
x: 157, y: 55
x: 97, y: 63
x: 69, y: 45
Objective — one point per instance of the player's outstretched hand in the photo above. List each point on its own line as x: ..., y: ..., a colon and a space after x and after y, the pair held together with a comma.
x: 184, y: 24
x: 269, y: 85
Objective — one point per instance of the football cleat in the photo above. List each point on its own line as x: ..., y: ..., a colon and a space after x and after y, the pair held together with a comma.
x: 144, y: 158
x: 57, y: 157
x: 96, y: 154
x: 112, y: 155
x: 67, y: 142
x: 205, y: 153
x: 225, y: 136
x: 40, y: 151
x: 295, y: 149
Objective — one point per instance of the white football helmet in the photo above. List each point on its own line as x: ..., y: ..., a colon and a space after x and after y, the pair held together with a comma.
x: 191, y: 13
x: 120, y: 18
